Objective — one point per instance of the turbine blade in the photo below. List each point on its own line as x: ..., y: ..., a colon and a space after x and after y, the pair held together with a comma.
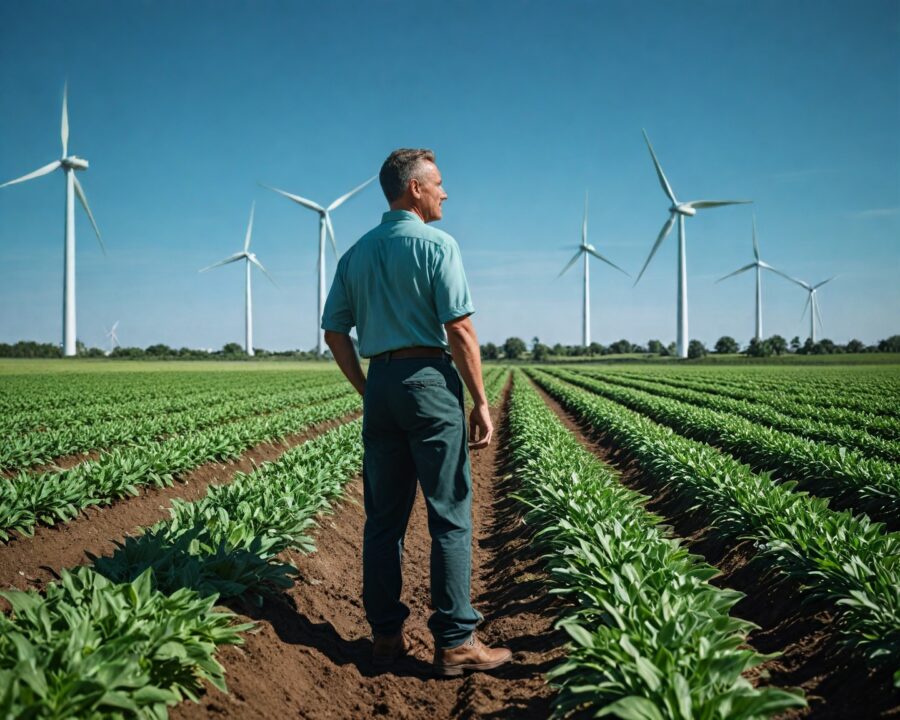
x: 816, y: 287
x: 229, y: 259
x: 737, y: 272
x: 570, y: 263
x: 249, y: 227
x: 755, y: 241
x: 667, y: 189
x: 297, y: 199
x: 802, y: 284
x: 79, y: 191
x: 64, y: 127
x: 815, y: 305
x: 115, y: 325
x: 606, y: 260
x: 805, y: 305
x: 49, y: 168
x: 265, y: 272
x: 343, y: 198
x: 584, y: 221
x: 330, y: 228
x: 662, y: 236
x: 702, y: 204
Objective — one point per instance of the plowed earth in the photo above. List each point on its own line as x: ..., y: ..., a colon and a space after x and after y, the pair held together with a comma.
x: 837, y: 685
x: 310, y: 654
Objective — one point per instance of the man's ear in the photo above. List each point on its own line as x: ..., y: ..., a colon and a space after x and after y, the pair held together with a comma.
x: 415, y: 189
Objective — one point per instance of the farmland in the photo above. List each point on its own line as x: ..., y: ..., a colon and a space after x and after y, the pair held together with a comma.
x: 652, y: 541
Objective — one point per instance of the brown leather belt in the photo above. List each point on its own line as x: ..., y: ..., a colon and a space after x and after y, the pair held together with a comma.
x: 409, y: 352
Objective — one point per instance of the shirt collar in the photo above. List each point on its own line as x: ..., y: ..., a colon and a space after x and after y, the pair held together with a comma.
x: 398, y: 215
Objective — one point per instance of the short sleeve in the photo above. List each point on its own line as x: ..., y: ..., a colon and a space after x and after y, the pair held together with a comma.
x: 337, y: 315
x: 451, y: 291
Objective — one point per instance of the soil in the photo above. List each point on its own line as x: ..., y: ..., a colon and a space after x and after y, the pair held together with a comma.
x: 31, y: 562
x: 310, y: 655
x: 811, y: 656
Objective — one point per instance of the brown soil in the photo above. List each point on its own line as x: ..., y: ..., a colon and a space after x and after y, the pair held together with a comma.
x: 31, y: 562
x: 837, y: 684
x: 310, y: 655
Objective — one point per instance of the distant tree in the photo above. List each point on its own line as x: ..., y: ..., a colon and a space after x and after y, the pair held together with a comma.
x: 759, y: 348
x: 795, y: 344
x: 30, y: 349
x: 638, y: 349
x: 159, y: 350
x: 778, y: 344
x: 513, y: 348
x: 696, y: 349
x: 559, y: 350
x: 828, y: 346
x: 94, y: 352
x: 128, y: 352
x: 620, y: 347
x: 807, y: 348
x: 891, y: 344
x: 596, y: 349
x: 535, y: 341
x: 540, y: 352
x: 489, y: 351
x: 232, y: 349
x: 656, y: 347
x: 855, y: 346
x: 671, y: 349
x: 726, y: 345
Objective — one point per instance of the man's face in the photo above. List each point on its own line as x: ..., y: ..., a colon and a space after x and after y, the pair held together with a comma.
x: 430, y: 193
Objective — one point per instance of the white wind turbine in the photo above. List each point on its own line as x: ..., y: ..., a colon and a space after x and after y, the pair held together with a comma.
x: 760, y: 265
x: 112, y: 337
x: 812, y: 302
x: 586, y: 249
x: 70, y: 164
x: 679, y: 210
x: 325, y: 227
x: 249, y: 257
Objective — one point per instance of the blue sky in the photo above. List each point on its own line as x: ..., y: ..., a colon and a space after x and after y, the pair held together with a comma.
x: 183, y: 108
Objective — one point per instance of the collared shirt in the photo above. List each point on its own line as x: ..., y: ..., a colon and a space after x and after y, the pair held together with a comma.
x: 398, y: 285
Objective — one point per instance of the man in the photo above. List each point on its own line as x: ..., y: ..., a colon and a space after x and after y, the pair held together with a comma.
x: 403, y: 287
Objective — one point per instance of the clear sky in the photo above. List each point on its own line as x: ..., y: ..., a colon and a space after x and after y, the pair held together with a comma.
x: 182, y: 108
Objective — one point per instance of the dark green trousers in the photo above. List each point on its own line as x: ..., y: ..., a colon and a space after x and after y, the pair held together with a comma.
x: 414, y: 429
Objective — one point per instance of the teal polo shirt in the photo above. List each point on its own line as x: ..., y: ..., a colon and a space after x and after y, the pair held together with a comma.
x: 398, y: 285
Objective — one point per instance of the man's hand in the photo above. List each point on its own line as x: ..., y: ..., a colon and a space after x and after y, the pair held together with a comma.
x: 341, y: 347
x: 480, y: 427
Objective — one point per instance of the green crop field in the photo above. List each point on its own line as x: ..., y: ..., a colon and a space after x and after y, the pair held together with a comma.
x: 684, y: 514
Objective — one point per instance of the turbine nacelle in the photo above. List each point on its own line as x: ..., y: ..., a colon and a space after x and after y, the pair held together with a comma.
x: 73, y: 162
x: 683, y: 209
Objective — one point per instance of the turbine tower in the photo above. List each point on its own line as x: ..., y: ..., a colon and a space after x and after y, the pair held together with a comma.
x: 112, y: 337
x: 679, y: 210
x: 70, y: 164
x: 812, y: 302
x: 325, y: 226
x: 586, y: 249
x: 760, y: 265
x: 250, y: 258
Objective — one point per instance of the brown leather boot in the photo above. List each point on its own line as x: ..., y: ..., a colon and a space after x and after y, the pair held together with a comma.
x: 387, y: 648
x: 471, y: 655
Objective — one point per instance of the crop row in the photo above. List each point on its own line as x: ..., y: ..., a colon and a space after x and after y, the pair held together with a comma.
x: 97, y: 645
x: 843, y: 557
x: 494, y: 383
x: 42, y: 447
x: 811, y: 427
x: 824, y: 469
x: 652, y: 638
x: 886, y: 427
x: 48, y: 498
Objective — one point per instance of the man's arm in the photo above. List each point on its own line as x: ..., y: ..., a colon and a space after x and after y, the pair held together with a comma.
x: 341, y: 347
x: 467, y: 355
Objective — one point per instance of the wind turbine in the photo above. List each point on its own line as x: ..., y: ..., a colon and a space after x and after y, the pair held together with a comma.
x: 812, y: 303
x: 250, y: 258
x: 112, y: 337
x: 70, y: 164
x: 760, y: 265
x: 325, y: 226
x: 679, y: 210
x: 586, y: 249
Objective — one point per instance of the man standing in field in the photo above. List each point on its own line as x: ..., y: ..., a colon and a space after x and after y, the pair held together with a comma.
x: 403, y: 287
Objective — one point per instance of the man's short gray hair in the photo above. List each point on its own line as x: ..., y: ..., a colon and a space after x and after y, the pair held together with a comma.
x: 400, y: 167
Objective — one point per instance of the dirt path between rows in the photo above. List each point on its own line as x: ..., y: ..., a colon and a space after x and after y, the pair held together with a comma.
x: 310, y: 655
x: 837, y: 684
x: 32, y: 562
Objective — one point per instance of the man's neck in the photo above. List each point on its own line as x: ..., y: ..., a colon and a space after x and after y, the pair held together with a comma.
x: 409, y: 207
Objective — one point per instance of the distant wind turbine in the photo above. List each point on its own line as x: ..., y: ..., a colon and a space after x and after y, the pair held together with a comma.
x: 69, y: 164
x: 679, y: 210
x: 325, y: 226
x: 112, y: 337
x: 586, y: 249
x: 812, y: 302
x: 249, y: 257
x: 760, y: 265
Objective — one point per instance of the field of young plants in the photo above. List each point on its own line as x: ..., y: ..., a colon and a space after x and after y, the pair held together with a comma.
x: 713, y: 542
